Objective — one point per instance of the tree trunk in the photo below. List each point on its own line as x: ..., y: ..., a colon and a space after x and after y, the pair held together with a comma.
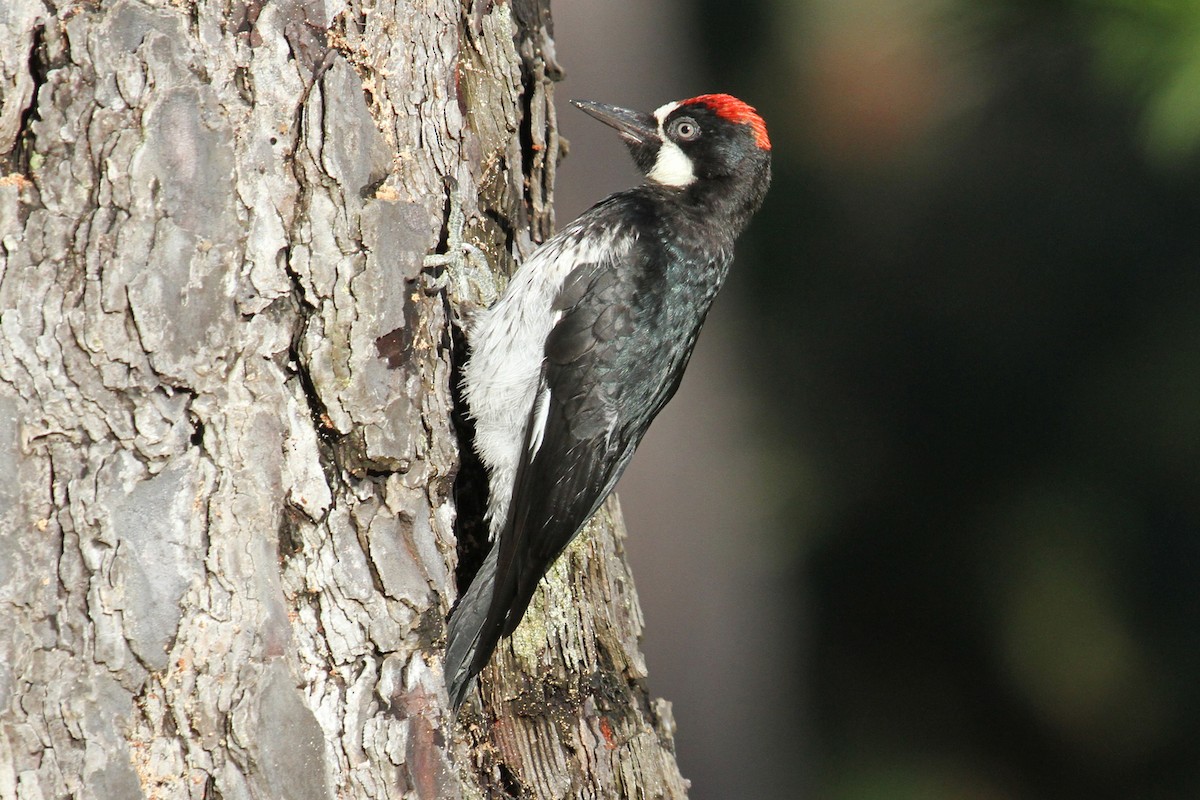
x: 227, y: 457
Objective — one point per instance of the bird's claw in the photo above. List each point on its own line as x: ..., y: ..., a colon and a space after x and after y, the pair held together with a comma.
x: 462, y: 271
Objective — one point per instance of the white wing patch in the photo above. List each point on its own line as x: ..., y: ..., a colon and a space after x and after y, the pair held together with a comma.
x: 539, y: 421
x: 672, y: 167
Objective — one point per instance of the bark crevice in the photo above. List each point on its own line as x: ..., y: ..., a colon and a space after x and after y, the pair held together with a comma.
x: 36, y: 70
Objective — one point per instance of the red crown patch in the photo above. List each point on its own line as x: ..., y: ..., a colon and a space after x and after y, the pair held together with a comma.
x: 729, y: 107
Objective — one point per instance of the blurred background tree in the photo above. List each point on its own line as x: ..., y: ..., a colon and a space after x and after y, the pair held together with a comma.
x: 952, y: 400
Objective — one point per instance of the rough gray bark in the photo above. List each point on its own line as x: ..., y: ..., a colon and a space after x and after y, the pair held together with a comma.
x: 227, y: 461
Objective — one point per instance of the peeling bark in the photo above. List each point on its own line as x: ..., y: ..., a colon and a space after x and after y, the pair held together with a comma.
x: 228, y: 483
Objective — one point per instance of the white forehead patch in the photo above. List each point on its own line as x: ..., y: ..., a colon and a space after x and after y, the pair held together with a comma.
x: 672, y: 167
x: 662, y: 112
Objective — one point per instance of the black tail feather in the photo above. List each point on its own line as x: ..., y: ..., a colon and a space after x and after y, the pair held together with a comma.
x: 468, y: 646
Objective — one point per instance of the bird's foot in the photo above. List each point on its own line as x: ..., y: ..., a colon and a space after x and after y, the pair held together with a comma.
x: 462, y: 271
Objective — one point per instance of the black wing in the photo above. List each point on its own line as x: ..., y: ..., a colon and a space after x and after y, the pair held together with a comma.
x: 572, y: 454
x: 608, y: 372
x: 612, y: 362
x: 575, y: 453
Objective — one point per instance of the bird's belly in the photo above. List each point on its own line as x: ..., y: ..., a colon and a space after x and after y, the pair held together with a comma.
x: 501, y: 384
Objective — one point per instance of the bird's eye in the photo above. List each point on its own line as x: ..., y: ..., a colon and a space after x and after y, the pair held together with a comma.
x: 685, y: 128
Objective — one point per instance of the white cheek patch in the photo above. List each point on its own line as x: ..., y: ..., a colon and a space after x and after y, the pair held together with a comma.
x: 672, y: 167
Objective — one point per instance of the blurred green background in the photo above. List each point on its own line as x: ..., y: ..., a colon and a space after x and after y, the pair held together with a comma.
x: 963, y: 338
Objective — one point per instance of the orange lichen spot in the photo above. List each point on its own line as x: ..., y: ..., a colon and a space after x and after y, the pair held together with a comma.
x: 606, y: 730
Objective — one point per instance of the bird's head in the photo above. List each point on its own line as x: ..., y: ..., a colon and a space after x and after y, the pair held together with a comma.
x: 710, y: 138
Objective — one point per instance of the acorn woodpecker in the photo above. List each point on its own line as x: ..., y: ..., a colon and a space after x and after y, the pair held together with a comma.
x: 589, y: 342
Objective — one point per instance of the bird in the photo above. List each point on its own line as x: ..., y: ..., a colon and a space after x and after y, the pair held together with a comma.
x: 588, y: 342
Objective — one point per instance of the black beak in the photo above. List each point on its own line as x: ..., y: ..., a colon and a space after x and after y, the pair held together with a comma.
x: 633, y: 126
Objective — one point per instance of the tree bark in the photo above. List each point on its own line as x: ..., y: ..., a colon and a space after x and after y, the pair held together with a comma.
x: 227, y: 457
